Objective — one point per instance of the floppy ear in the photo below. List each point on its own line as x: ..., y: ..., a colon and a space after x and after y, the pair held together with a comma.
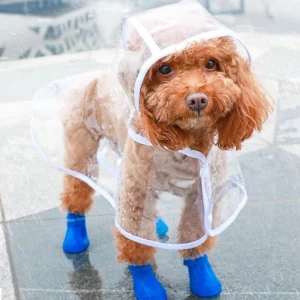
x: 161, y: 135
x: 250, y: 111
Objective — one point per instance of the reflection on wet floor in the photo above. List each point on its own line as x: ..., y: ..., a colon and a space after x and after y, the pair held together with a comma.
x: 85, y: 280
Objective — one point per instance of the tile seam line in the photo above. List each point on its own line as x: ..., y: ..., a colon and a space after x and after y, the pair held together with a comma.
x: 23, y: 219
x: 9, y: 254
x: 122, y: 290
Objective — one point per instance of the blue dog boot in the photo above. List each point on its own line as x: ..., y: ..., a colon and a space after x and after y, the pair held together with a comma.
x: 203, y: 281
x: 76, y: 239
x: 161, y: 228
x: 145, y: 284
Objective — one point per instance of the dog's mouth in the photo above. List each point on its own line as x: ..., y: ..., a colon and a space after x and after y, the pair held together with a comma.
x: 198, y: 114
x: 195, y: 116
x: 195, y: 121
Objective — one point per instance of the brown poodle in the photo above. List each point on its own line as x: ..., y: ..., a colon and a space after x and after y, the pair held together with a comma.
x: 186, y: 100
x: 203, y: 95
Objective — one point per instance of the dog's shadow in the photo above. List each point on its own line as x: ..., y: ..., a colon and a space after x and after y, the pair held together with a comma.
x: 193, y: 297
x: 86, y: 283
x: 84, y: 280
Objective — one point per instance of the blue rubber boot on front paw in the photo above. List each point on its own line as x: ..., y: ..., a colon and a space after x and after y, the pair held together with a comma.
x: 145, y: 284
x: 161, y: 227
x: 76, y: 239
x: 203, y: 281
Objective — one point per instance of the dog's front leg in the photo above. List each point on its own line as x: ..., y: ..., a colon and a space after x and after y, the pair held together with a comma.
x: 80, y: 145
x: 136, y: 215
x: 191, y: 227
x: 203, y: 281
x: 77, y: 196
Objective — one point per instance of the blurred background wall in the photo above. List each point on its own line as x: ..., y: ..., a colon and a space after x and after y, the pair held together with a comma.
x: 34, y: 28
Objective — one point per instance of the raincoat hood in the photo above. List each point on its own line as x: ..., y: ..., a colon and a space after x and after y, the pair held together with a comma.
x: 151, y: 35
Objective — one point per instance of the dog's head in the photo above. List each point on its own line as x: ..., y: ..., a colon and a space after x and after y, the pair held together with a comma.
x: 206, y: 87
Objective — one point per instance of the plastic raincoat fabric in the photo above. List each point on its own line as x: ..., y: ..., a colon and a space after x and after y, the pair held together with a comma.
x: 197, y: 196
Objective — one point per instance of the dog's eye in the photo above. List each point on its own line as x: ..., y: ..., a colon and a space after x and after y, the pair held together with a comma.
x: 210, y: 65
x: 165, y: 70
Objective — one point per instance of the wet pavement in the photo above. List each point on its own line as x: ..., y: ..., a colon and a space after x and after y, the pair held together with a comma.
x: 257, y: 257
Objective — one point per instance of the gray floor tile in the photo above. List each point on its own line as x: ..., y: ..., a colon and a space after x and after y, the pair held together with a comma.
x: 271, y: 174
x: 27, y: 184
x: 260, y: 252
x: 69, y: 295
x: 6, y: 284
x: 47, y: 295
x: 257, y: 254
x: 100, y: 207
x: 261, y: 296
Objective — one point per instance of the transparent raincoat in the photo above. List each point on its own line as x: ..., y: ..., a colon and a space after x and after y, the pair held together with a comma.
x: 197, y: 196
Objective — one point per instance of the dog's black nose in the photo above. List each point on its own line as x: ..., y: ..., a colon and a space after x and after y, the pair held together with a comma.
x: 196, y: 101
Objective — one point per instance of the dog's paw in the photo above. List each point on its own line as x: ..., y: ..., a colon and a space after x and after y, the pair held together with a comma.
x: 76, y: 238
x: 145, y: 284
x: 203, y: 281
x: 161, y: 228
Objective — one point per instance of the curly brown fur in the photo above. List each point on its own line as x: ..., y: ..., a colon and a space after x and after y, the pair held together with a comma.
x: 80, y: 150
x: 77, y: 196
x: 132, y: 252
x: 204, y: 248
